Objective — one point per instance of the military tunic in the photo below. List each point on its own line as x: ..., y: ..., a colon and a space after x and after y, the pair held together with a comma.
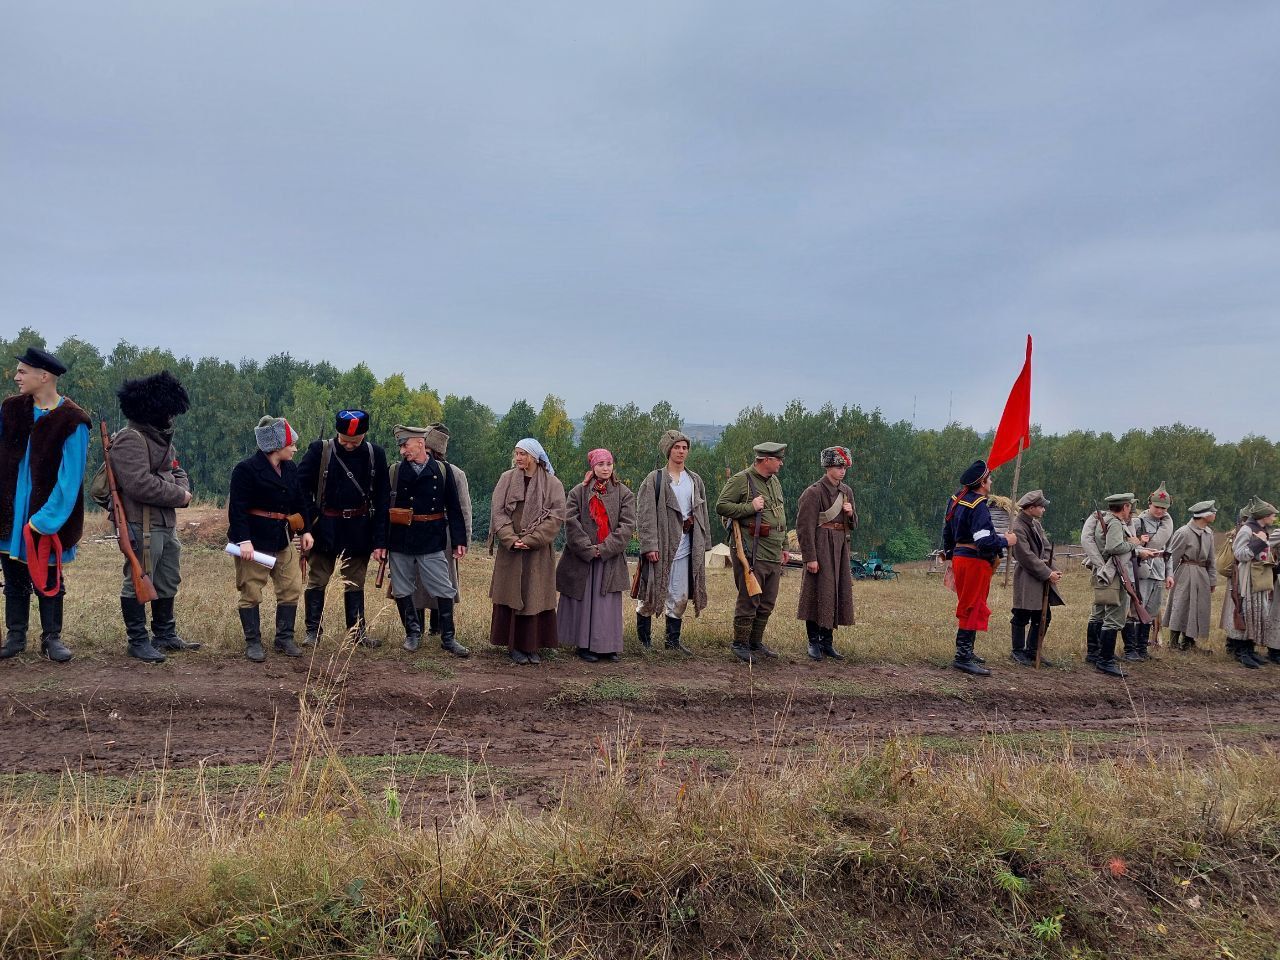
x: 1153, y: 571
x: 734, y: 504
x: 1111, y: 539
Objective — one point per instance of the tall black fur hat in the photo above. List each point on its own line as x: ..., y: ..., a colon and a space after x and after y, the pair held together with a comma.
x: 153, y: 400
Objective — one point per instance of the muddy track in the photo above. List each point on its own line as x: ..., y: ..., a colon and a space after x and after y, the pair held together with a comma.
x: 540, y: 723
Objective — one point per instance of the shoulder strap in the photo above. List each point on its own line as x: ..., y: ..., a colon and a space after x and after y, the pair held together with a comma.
x: 372, y: 475
x: 326, y: 455
x: 394, y: 471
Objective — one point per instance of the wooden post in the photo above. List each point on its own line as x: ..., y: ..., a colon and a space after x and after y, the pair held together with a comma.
x: 1013, y: 507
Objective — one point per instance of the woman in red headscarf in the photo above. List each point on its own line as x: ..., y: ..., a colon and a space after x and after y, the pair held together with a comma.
x: 592, y: 573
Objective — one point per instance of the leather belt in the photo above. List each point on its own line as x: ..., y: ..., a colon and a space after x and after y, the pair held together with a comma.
x: 346, y: 514
x: 834, y: 525
x: 268, y: 514
x: 424, y: 517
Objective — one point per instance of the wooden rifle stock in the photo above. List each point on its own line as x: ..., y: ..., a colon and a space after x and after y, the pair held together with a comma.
x: 143, y: 588
x: 1143, y: 615
x: 748, y: 576
x: 382, y: 573
x: 1043, y: 626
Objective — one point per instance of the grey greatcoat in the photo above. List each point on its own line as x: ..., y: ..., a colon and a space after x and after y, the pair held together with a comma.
x: 1191, y: 564
x: 573, y: 573
x: 1031, y: 554
x: 826, y: 597
x: 660, y: 527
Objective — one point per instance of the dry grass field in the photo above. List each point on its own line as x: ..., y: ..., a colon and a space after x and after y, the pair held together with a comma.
x: 373, y: 803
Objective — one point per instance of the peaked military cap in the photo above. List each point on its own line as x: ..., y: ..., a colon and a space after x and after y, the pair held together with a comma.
x: 1033, y: 498
x: 1160, y: 497
x: 1203, y: 507
x: 42, y: 360
x: 1119, y: 499
x: 352, y: 423
x: 977, y: 470
x: 770, y: 449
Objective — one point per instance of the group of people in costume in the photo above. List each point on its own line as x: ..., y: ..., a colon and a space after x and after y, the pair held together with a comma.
x: 294, y: 526
x: 1133, y: 560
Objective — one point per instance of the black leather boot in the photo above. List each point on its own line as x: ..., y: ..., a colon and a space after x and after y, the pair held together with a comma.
x: 829, y: 645
x: 1106, y: 662
x: 964, y: 660
x: 1093, y: 637
x: 412, y: 625
x: 444, y: 611
x: 17, y: 619
x: 644, y: 631
x: 673, y: 635
x: 286, y: 622
x: 1019, y: 653
x: 1144, y: 640
x: 51, y: 644
x: 1130, y: 637
x: 135, y: 630
x: 1033, y: 644
x: 251, y: 625
x: 814, y: 633
x: 164, y: 628
x: 353, y: 611
x: 1247, y: 652
x: 312, y: 615
x: 757, y: 637
x: 431, y: 618
x: 742, y: 639
x: 1273, y: 655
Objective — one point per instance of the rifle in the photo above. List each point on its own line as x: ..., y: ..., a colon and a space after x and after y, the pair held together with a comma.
x: 1044, y: 612
x: 143, y: 588
x: 755, y: 524
x: 1126, y: 580
x: 748, y: 577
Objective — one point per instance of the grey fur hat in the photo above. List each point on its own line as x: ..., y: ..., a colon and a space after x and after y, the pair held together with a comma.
x: 273, y: 433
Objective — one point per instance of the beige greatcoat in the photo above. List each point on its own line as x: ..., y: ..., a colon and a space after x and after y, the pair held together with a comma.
x: 525, y: 580
x: 660, y: 527
x: 573, y: 573
x: 1191, y: 559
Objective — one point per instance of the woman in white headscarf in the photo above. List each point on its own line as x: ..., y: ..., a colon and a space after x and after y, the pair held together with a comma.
x: 528, y: 511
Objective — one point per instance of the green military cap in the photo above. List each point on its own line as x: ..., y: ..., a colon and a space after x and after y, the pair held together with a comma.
x: 1160, y: 497
x: 1203, y: 507
x: 1034, y: 498
x: 1120, y: 499
x: 1257, y: 508
x: 763, y: 450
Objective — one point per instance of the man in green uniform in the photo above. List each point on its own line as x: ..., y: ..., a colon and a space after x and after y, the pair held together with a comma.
x: 753, y: 500
x: 1115, y: 540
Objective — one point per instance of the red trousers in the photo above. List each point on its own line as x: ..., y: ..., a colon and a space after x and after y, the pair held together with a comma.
x: 973, y: 581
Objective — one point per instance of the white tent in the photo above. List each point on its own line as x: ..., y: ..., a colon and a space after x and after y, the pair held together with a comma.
x: 718, y: 556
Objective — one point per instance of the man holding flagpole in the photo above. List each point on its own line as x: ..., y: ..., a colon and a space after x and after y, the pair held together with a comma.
x: 974, y: 547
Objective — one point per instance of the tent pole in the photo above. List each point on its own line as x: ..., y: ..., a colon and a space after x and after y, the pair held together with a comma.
x: 1013, y: 507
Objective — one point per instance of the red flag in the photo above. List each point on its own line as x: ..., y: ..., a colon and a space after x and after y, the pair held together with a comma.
x: 1014, y: 433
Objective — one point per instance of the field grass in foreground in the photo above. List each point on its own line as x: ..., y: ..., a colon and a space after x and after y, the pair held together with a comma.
x: 880, y: 853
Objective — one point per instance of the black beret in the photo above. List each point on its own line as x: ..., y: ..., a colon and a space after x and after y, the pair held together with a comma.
x: 42, y: 360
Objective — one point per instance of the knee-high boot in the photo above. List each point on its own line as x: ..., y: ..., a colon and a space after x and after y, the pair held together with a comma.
x: 313, y: 614
x: 448, y: 643
x: 135, y: 630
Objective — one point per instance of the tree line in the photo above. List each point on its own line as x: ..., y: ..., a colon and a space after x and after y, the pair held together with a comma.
x: 901, y: 475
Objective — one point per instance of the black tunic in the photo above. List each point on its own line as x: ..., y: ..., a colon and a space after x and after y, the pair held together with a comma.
x: 255, y: 485
x: 354, y: 536
x: 430, y: 491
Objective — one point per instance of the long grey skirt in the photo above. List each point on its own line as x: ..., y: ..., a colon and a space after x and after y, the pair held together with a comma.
x: 595, y: 622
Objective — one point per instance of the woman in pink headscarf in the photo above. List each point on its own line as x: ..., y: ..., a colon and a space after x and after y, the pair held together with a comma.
x: 592, y: 574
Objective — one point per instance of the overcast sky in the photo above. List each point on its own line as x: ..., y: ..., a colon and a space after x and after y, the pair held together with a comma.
x: 712, y: 204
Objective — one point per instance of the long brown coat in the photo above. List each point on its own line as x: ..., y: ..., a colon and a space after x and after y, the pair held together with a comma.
x: 1031, y: 554
x: 525, y: 580
x: 660, y: 527
x: 573, y: 573
x: 826, y: 597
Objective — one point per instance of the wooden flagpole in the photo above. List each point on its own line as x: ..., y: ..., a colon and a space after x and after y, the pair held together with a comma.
x: 1013, y: 506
